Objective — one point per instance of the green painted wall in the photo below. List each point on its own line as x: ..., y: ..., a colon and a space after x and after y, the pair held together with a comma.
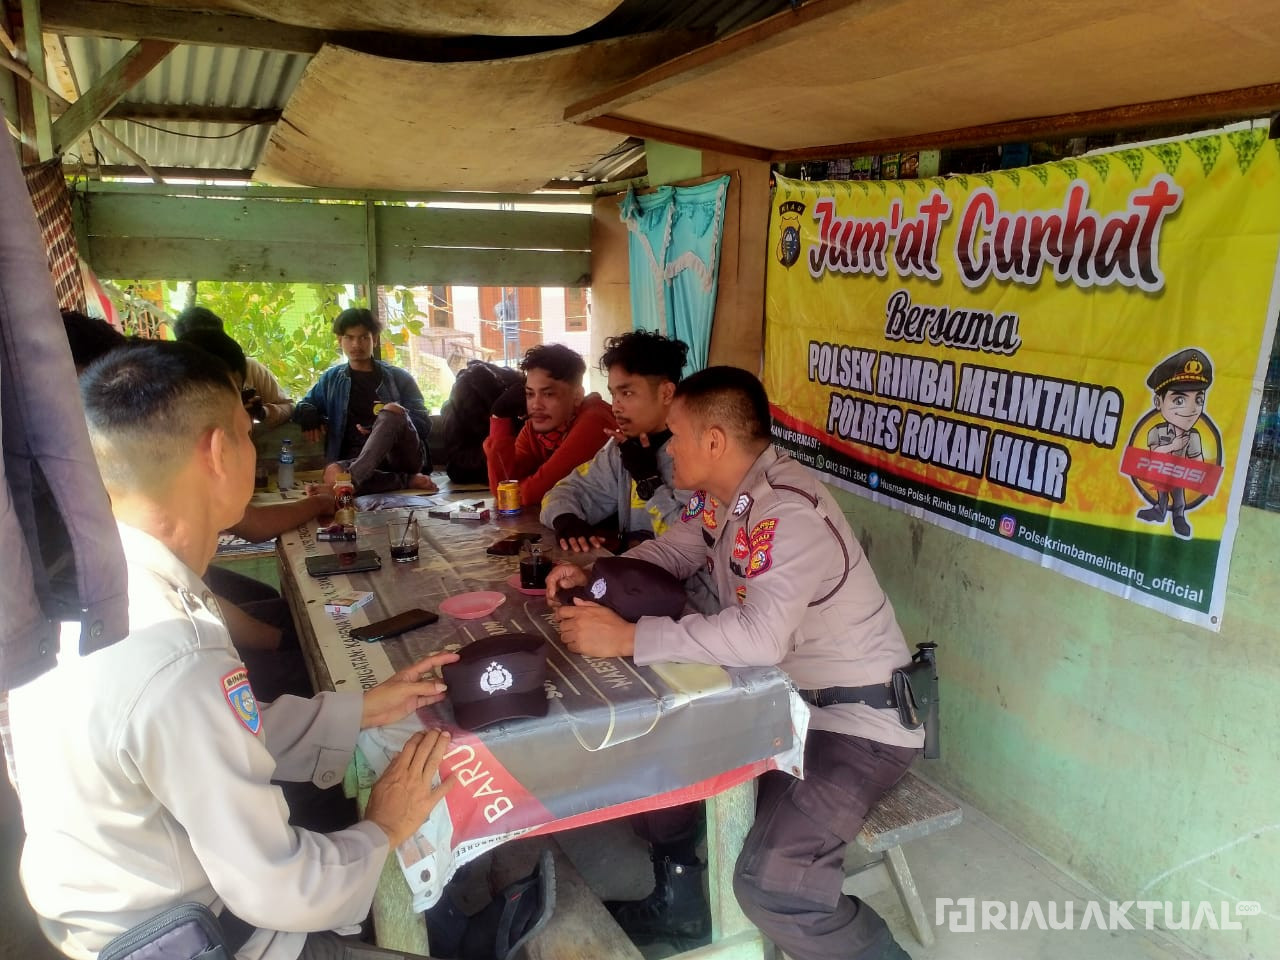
x: 668, y: 163
x: 1139, y: 753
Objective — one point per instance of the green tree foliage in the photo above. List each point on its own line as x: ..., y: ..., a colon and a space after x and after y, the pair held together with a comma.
x: 293, y: 342
x: 287, y: 327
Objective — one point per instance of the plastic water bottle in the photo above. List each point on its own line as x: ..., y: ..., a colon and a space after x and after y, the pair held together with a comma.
x: 284, y: 475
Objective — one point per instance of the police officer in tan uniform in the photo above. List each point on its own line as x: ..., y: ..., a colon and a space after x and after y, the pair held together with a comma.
x: 796, y: 591
x: 145, y: 768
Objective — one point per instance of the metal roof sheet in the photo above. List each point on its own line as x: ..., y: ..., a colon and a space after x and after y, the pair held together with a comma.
x: 192, y: 75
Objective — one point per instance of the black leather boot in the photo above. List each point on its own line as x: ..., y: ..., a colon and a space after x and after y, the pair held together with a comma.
x: 676, y: 911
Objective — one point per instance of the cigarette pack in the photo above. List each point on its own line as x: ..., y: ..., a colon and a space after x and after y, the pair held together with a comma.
x: 336, y: 531
x: 470, y: 511
x: 347, y: 602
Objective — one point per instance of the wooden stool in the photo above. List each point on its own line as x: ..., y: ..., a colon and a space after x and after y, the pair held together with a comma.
x: 912, y: 809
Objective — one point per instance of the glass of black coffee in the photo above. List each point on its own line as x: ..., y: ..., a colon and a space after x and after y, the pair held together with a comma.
x: 534, y: 567
x: 402, y: 540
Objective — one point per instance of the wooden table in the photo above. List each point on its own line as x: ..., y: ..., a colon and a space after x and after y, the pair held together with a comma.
x: 453, y: 559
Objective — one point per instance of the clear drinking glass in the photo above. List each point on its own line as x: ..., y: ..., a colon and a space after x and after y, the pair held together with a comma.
x: 402, y: 540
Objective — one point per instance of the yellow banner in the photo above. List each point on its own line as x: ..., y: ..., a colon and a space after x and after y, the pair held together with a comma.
x: 1063, y: 360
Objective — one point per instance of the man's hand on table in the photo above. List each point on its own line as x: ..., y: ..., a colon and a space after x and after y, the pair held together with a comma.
x: 412, y: 688
x: 403, y: 797
x: 564, y: 576
x: 595, y: 631
x: 574, y: 533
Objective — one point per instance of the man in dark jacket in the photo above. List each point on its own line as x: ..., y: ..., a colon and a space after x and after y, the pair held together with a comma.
x: 465, y: 418
x: 371, y: 414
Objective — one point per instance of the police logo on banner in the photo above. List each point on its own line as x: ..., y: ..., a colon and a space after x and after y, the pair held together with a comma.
x: 788, y: 251
x: 235, y: 687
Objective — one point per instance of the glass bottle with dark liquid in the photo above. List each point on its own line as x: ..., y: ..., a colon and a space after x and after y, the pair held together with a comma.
x: 534, y: 567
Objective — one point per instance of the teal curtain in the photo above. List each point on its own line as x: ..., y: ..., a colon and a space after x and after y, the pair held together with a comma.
x: 674, y: 260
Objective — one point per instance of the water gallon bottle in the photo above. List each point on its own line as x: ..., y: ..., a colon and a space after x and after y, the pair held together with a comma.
x: 284, y: 477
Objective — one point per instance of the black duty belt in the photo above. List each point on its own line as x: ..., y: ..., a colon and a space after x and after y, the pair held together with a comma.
x: 879, y: 695
x: 912, y: 690
x: 235, y: 932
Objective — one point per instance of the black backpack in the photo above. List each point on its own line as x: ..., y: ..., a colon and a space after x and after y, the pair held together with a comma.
x: 465, y: 418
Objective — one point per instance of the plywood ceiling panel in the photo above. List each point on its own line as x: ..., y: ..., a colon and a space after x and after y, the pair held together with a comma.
x: 435, y: 18
x: 882, y: 69
x: 362, y: 121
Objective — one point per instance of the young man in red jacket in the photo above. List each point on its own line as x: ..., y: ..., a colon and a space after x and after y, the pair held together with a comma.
x: 562, y: 427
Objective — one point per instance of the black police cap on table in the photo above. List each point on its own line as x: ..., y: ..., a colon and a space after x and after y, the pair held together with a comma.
x: 498, y: 678
x: 632, y: 588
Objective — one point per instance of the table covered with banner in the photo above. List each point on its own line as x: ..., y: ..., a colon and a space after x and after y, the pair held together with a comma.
x: 617, y: 738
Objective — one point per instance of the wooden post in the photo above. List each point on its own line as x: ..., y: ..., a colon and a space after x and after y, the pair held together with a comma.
x: 33, y: 41
x: 371, y: 265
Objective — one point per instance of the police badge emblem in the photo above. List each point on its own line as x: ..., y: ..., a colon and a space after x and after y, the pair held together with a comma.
x: 694, y: 507
x: 495, y: 678
x: 788, y: 251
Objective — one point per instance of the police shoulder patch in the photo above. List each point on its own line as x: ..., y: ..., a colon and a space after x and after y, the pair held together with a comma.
x: 235, y: 687
x: 760, y: 545
x: 742, y: 504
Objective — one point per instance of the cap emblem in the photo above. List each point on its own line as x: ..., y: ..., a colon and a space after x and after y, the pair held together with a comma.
x: 496, y: 678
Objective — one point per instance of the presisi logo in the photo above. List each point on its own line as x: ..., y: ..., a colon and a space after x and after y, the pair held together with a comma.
x: 1174, y: 471
x: 1008, y: 526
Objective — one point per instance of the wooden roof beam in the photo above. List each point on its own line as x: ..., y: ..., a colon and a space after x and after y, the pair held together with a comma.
x: 124, y: 21
x: 20, y: 69
x: 124, y: 75
x: 1241, y: 104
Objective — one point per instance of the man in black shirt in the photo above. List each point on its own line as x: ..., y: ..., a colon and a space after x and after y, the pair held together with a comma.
x: 371, y: 414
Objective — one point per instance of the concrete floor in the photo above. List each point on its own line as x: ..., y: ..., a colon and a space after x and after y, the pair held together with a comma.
x: 977, y: 858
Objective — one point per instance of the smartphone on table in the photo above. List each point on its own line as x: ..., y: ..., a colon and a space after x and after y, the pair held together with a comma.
x: 510, y: 546
x: 394, y: 626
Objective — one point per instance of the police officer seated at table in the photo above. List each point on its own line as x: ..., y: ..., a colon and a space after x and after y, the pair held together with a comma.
x: 796, y: 591
x: 144, y: 769
x: 628, y: 483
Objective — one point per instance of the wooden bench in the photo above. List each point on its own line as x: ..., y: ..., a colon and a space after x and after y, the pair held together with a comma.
x: 580, y: 928
x: 912, y: 809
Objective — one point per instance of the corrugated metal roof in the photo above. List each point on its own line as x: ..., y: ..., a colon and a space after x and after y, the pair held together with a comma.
x: 192, y: 75
x: 236, y: 77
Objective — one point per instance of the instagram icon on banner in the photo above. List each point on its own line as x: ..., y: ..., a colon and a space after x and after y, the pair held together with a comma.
x: 1008, y: 526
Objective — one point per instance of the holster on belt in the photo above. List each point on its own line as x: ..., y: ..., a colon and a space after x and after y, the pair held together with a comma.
x: 915, y: 690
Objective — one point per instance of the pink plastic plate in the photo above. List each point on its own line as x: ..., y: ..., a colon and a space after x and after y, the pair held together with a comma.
x: 514, y: 581
x: 472, y: 606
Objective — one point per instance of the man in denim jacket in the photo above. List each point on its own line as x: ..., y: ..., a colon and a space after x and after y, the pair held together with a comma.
x: 371, y: 414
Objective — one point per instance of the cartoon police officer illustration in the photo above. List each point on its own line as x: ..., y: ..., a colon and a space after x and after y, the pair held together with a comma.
x: 1178, y: 384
